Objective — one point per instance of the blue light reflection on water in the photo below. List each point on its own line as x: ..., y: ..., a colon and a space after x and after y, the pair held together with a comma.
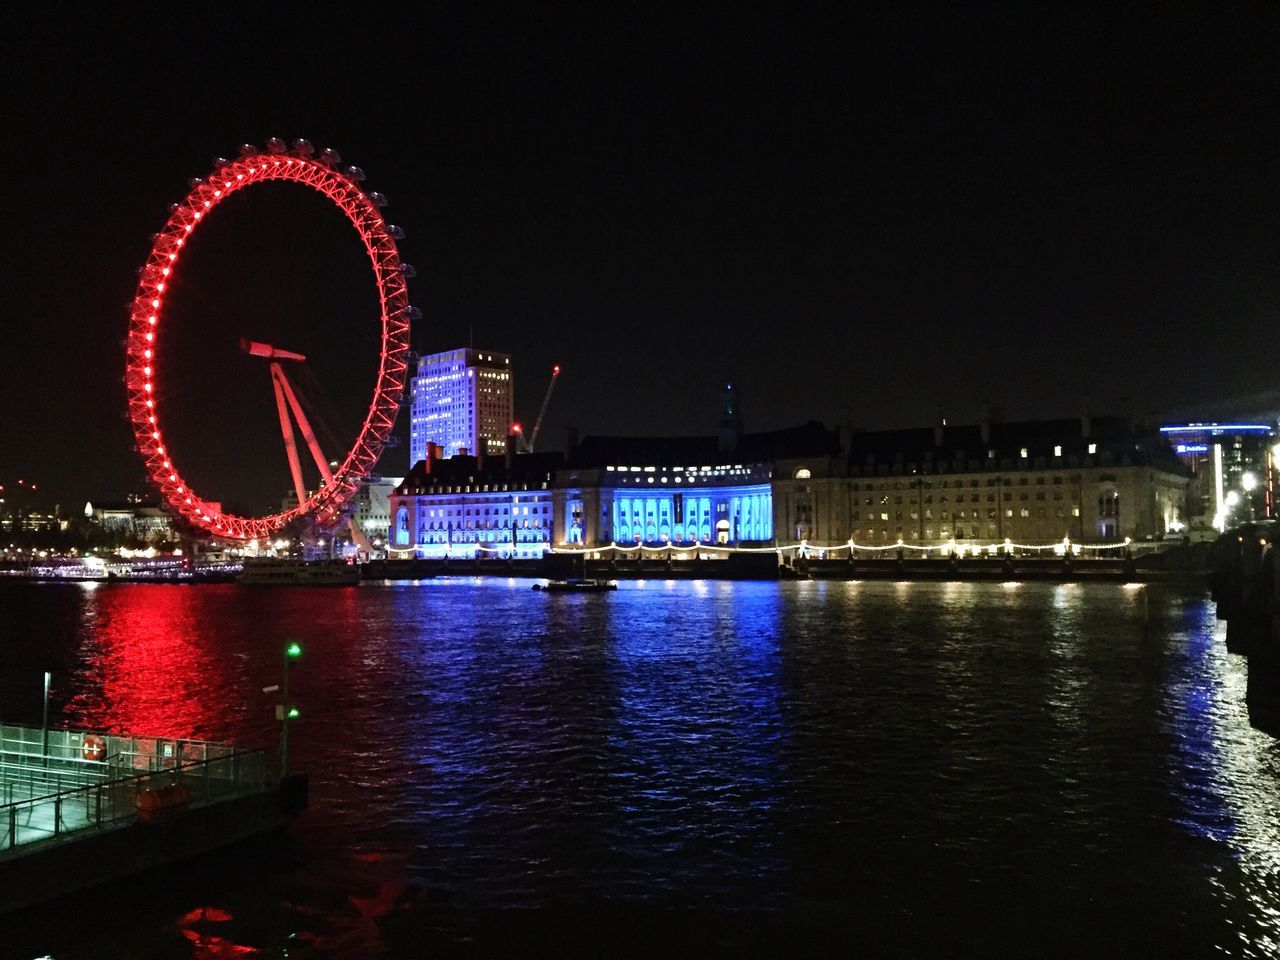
x: 697, y: 773
x: 1194, y: 712
x: 960, y: 764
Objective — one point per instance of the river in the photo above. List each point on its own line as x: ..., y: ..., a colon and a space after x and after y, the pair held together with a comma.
x: 867, y: 768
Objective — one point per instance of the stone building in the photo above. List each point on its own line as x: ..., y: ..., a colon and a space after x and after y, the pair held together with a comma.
x: 462, y: 506
x: 1089, y: 479
x: 679, y: 490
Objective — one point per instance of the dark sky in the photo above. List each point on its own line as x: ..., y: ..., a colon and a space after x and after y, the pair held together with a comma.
x: 849, y: 218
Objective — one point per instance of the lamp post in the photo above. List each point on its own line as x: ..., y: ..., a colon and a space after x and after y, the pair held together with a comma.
x: 286, y: 711
x: 44, y: 720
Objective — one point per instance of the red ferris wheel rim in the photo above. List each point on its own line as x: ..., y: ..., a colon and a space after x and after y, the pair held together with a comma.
x: 143, y: 352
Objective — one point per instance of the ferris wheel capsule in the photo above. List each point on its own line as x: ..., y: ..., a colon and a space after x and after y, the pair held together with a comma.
x: 330, y: 156
x: 275, y: 145
x: 303, y: 148
x: 220, y: 162
x: 407, y: 271
x: 248, y: 150
x: 196, y: 182
x: 356, y: 174
x: 395, y: 231
x: 377, y: 199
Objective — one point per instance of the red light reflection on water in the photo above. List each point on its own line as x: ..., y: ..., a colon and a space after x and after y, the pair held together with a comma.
x: 207, y: 944
x: 146, y: 668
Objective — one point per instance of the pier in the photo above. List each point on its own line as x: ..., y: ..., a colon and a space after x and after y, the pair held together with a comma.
x: 79, y: 807
x: 1246, y: 588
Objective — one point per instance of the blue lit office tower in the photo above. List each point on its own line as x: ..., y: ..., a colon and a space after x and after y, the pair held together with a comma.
x: 461, y: 398
x: 1235, y: 472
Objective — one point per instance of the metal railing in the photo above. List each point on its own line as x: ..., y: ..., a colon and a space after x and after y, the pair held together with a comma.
x: 55, y: 796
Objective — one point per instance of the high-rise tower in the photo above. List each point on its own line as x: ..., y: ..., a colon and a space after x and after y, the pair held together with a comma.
x: 461, y: 399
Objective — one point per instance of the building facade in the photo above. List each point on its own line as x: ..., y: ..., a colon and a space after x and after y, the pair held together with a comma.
x: 373, y: 506
x: 1234, y: 472
x: 1089, y: 480
x: 461, y: 400
x: 464, y: 506
x: 1035, y: 482
x: 135, y: 518
x: 654, y: 491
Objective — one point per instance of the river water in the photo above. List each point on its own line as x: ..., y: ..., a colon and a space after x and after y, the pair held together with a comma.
x: 683, y: 767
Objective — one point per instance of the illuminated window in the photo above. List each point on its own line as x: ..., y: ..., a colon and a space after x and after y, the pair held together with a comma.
x: 1057, y: 451
x: 1093, y: 448
x: 803, y: 473
x: 1023, y: 453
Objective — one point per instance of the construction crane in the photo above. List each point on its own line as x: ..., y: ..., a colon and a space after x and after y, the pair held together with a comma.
x: 526, y: 443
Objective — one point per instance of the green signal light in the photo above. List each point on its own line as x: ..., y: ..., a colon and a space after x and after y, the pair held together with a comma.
x: 293, y: 650
x: 294, y: 713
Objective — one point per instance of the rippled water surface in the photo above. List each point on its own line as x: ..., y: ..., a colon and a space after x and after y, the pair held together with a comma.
x: 863, y: 768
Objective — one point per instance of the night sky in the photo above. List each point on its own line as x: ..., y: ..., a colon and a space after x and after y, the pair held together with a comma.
x: 849, y: 219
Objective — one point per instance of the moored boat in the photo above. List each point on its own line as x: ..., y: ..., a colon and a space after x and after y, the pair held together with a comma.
x: 299, y: 573
x: 576, y: 585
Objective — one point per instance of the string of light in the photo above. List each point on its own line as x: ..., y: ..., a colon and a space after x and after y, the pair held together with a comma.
x: 803, y: 547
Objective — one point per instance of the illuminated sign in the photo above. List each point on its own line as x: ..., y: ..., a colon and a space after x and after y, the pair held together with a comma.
x: 1218, y: 428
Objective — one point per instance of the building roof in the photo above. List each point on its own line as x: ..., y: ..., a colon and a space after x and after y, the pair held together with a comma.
x: 964, y: 447
x: 807, y: 439
x: 530, y: 469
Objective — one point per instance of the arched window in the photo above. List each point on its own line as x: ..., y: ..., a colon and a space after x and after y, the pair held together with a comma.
x: 803, y: 473
x: 402, y: 526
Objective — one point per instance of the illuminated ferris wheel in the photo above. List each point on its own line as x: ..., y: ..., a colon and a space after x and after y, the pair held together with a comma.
x: 145, y: 345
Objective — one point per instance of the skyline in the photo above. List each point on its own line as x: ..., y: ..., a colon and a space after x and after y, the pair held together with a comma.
x: 848, y: 220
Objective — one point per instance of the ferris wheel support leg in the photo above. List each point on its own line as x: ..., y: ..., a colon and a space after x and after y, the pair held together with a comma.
x: 290, y: 445
x: 307, y: 433
x: 358, y: 537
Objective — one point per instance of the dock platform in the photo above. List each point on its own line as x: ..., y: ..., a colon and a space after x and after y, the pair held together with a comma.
x: 78, y: 807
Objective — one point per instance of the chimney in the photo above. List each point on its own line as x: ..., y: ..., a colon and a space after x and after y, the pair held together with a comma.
x: 464, y: 452
x: 845, y: 433
x: 1086, y: 419
x: 990, y: 414
x: 510, y: 455
x: 570, y: 442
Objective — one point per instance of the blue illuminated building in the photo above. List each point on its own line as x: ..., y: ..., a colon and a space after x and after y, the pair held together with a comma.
x: 646, y: 491
x: 464, y: 506
x: 1234, y: 471
x: 461, y: 403
x: 678, y: 490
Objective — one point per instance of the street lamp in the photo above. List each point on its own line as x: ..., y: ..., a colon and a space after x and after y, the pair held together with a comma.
x: 1249, y: 482
x: 286, y: 712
